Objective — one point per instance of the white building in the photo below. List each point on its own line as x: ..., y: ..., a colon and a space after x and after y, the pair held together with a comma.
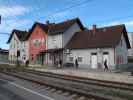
x: 130, y: 51
x: 58, y: 36
x: 92, y: 47
x: 18, y: 46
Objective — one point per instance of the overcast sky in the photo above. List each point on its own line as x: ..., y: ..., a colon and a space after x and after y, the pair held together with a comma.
x: 21, y: 14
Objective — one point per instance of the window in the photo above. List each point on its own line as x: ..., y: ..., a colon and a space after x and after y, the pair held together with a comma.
x: 24, y: 44
x: 71, y: 58
x: 17, y: 44
x: 53, y: 39
x: 32, y: 57
x: 80, y: 59
x: 121, y: 42
x: 44, y: 41
x: 37, y: 33
x: 11, y: 46
x: 105, y: 53
x: 23, y: 50
x: 36, y: 42
x: 24, y: 57
x: 93, y: 53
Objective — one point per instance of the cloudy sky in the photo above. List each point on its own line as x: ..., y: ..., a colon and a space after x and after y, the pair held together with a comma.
x: 21, y: 14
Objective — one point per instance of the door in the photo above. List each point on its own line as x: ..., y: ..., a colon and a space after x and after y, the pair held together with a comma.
x: 94, y: 60
x: 106, y: 57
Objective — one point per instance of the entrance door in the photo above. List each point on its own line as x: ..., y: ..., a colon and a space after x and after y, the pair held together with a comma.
x: 94, y: 60
x: 106, y: 57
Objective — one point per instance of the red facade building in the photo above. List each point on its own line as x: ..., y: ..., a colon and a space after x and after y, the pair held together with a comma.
x: 37, y: 43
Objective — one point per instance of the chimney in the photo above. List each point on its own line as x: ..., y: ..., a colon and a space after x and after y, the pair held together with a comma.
x: 94, y: 28
x: 47, y: 21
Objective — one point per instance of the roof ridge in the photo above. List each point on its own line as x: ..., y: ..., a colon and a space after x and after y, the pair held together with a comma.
x: 65, y: 21
x: 110, y: 26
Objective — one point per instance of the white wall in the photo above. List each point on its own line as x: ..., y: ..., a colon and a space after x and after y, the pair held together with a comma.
x: 24, y: 51
x: 130, y: 51
x: 54, y: 41
x: 86, y: 56
x: 60, y: 40
x: 14, y: 46
x: 69, y: 33
x: 121, y: 50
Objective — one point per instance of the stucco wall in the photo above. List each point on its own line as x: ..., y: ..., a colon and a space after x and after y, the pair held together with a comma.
x: 60, y: 40
x: 69, y: 33
x: 55, y: 41
x: 38, y: 35
x: 121, y: 52
x: 24, y: 52
x: 15, y: 45
x: 130, y: 51
x: 86, y: 56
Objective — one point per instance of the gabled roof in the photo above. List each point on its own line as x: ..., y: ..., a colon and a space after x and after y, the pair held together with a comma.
x: 105, y: 37
x: 63, y: 26
x: 20, y: 34
x: 53, y: 29
x: 44, y: 27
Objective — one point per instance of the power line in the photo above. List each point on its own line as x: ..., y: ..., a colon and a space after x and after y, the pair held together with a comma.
x: 82, y: 3
x: 67, y: 8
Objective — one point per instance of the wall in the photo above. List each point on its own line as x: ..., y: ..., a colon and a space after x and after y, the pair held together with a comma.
x: 14, y: 46
x: 86, y: 56
x: 55, y: 41
x: 130, y: 51
x: 69, y: 33
x: 37, y: 43
x: 121, y: 52
x: 60, y: 40
x: 24, y: 52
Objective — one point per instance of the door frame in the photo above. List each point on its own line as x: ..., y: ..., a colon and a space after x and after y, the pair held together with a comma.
x: 105, y: 53
x: 94, y: 54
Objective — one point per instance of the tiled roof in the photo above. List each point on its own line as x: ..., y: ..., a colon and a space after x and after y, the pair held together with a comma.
x: 20, y: 34
x: 63, y: 26
x: 105, y: 37
x: 56, y: 28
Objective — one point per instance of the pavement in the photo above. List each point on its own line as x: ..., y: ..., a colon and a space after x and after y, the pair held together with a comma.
x: 12, y: 88
x: 111, y: 75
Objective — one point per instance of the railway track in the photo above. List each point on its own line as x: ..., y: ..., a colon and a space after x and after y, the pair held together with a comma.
x: 90, y: 88
x: 110, y: 84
